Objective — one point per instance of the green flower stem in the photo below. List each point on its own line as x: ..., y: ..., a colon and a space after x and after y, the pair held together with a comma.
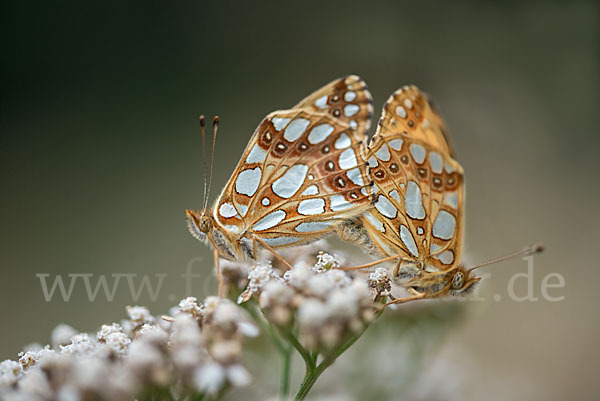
x: 285, y: 350
x: 197, y: 397
x: 313, y: 373
x: 284, y: 387
x: 265, y: 326
x: 306, y: 355
x: 219, y: 396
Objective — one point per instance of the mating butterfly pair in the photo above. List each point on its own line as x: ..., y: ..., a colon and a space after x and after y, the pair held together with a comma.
x: 306, y: 173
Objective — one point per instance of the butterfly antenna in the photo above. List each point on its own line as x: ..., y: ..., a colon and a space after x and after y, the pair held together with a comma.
x: 530, y: 250
x: 212, y: 158
x: 204, y: 167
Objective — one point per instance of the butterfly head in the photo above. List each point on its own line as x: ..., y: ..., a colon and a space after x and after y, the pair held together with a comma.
x: 205, y: 229
x: 199, y: 224
x: 462, y: 282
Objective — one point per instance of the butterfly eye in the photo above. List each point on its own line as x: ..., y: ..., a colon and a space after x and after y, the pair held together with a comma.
x: 204, y: 225
x: 458, y: 281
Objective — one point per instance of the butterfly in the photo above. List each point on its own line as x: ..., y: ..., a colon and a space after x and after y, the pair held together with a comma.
x: 418, y: 201
x: 417, y: 214
x: 302, y: 173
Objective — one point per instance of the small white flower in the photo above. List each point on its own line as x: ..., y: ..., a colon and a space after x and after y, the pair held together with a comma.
x: 209, y: 378
x: 227, y: 314
x: 87, y: 371
x: 361, y: 292
x: 139, y: 315
x: 338, y: 277
x: 152, y: 334
x: 211, y: 304
x: 312, y: 313
x: 342, y: 304
x: 118, y: 342
x: 26, y: 359
x: 68, y: 393
x: 330, y: 334
x: 57, y: 363
x: 36, y: 384
x: 258, y: 276
x: 61, y: 335
x: 128, y: 327
x: 187, y: 357
x: 190, y: 305
x: 230, y: 317
x: 10, y: 372
x: 247, y: 329
x: 304, y: 254
x: 325, y: 261
x: 107, y: 330
x: 380, y: 281
x: 319, y: 285
x: 298, y: 276
x: 275, y: 292
x: 234, y: 273
x: 226, y: 351
x: 81, y: 344
x: 238, y: 375
x: 147, y: 362
x: 185, y: 330
x: 30, y: 358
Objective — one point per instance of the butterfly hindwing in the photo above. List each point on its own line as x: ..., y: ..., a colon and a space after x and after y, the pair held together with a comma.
x: 410, y: 112
x: 418, y: 186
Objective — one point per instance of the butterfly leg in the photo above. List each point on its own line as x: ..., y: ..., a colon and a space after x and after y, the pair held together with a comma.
x: 418, y: 295
x: 220, y: 282
x: 367, y: 265
x: 268, y: 247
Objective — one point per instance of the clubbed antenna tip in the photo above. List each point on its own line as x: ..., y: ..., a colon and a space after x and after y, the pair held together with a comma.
x: 537, y: 248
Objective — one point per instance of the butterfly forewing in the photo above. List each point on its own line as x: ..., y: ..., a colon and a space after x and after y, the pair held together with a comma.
x: 301, y: 174
x: 347, y: 99
x: 418, y: 186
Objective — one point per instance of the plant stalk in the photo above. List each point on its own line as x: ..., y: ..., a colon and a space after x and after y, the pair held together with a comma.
x: 284, y: 387
x: 313, y: 372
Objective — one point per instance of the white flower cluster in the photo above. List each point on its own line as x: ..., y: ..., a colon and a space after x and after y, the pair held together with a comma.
x: 380, y: 281
x: 235, y: 274
x: 195, y: 351
x: 324, y: 303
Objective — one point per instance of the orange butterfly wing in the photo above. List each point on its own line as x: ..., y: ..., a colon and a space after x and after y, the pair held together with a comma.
x: 348, y: 99
x: 300, y: 175
x: 418, y: 186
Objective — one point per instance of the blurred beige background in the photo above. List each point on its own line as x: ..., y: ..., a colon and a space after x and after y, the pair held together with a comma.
x: 99, y: 155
